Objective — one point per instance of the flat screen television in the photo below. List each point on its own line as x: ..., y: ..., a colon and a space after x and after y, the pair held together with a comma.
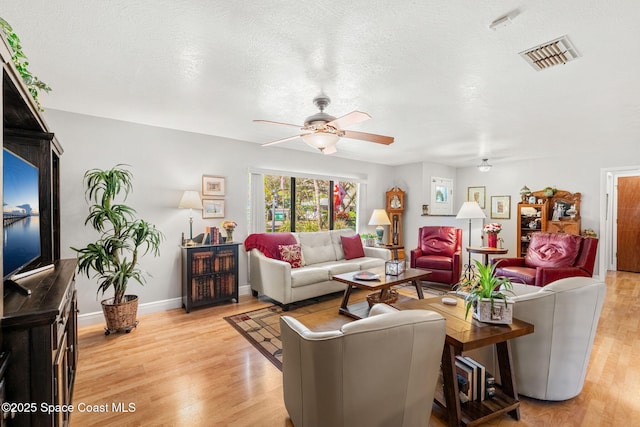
x: 20, y: 214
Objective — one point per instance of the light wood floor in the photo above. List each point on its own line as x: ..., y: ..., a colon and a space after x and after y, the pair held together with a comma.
x: 194, y: 369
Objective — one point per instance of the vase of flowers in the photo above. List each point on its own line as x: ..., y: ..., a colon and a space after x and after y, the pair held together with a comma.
x: 492, y: 231
x: 228, y: 226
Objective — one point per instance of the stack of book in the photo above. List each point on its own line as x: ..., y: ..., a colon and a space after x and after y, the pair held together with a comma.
x: 474, y: 382
x: 212, y: 236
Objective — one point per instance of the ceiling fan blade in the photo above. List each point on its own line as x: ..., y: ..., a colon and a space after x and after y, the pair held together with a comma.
x: 371, y: 137
x: 330, y: 150
x: 279, y: 123
x: 349, y: 119
x: 278, y: 141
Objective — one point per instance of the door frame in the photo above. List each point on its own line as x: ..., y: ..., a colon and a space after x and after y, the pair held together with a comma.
x: 609, y: 215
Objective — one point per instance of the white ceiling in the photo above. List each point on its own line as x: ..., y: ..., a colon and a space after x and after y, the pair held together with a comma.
x: 431, y: 73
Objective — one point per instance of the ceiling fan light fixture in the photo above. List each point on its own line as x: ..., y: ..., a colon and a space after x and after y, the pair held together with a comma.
x: 484, y: 166
x: 321, y: 140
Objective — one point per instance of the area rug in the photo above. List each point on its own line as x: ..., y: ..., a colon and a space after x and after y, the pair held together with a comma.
x: 261, y: 327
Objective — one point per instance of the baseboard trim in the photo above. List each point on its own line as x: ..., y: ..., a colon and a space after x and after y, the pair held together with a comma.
x: 97, y: 317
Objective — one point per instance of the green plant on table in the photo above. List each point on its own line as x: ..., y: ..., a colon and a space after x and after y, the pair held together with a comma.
x: 33, y: 83
x: 123, y: 238
x: 484, y: 285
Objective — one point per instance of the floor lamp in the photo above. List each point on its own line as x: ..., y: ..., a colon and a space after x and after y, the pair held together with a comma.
x: 470, y: 210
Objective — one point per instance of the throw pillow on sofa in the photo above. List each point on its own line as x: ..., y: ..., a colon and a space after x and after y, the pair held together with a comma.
x: 291, y: 254
x: 352, y: 246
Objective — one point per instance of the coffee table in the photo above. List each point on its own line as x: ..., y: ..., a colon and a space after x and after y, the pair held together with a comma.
x: 383, y: 284
x: 467, y: 334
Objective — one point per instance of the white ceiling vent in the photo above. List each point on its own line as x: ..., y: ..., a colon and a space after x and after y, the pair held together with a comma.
x: 555, y: 52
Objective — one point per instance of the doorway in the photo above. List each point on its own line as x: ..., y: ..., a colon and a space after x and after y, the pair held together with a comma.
x: 627, y: 223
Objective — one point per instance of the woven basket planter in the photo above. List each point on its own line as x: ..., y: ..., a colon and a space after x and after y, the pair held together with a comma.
x: 374, y: 298
x: 120, y: 317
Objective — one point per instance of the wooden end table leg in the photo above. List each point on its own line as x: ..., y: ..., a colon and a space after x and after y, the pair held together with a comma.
x: 450, y: 382
x: 505, y: 363
x: 345, y: 299
x: 418, y: 286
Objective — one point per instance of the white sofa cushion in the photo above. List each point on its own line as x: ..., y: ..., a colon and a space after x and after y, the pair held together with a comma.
x: 337, y: 243
x: 308, y: 275
x: 316, y: 247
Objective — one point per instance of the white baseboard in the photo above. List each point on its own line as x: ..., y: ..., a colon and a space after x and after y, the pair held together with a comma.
x: 97, y: 317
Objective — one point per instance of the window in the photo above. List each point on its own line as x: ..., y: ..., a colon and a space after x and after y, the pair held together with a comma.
x: 308, y: 204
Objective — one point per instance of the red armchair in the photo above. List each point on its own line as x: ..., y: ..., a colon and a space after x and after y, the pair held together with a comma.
x: 440, y: 251
x: 550, y: 256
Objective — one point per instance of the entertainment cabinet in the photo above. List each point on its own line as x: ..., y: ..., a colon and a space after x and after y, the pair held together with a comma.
x: 41, y: 333
x: 38, y: 331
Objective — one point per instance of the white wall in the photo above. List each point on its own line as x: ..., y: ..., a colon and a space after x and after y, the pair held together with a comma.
x: 165, y: 163
x: 581, y: 173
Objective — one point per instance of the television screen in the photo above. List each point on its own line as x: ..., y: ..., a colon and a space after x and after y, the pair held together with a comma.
x: 20, y: 213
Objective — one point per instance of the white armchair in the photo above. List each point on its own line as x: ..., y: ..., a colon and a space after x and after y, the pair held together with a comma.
x: 377, y: 371
x: 551, y: 363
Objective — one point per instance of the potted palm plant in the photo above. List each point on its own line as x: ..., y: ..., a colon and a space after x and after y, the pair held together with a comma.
x: 486, y: 294
x: 113, y: 258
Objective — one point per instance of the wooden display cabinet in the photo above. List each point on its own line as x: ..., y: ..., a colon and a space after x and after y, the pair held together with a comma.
x: 531, y: 217
x: 209, y: 274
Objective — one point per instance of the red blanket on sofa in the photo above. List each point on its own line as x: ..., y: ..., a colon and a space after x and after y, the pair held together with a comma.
x: 268, y: 243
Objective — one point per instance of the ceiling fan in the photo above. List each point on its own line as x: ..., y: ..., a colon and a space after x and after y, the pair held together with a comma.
x: 323, y: 131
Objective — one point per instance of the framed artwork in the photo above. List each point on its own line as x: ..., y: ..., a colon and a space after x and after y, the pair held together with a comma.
x: 212, y: 208
x: 477, y: 194
x: 212, y: 185
x: 501, y: 207
x: 441, y: 196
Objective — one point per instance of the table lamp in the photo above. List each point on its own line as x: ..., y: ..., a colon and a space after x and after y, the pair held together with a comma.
x: 191, y: 200
x: 379, y: 217
x: 470, y: 210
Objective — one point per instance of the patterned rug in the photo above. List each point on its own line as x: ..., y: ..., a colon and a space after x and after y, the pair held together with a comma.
x: 262, y: 327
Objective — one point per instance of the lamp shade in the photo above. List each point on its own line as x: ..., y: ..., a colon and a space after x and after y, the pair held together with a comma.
x: 470, y: 210
x: 190, y: 200
x: 379, y: 217
x: 321, y: 140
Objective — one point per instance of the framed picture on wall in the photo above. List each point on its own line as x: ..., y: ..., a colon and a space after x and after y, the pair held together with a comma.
x: 501, y: 207
x: 212, y: 185
x: 212, y: 208
x: 477, y: 194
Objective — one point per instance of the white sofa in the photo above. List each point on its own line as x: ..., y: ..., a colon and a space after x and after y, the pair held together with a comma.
x: 322, y: 256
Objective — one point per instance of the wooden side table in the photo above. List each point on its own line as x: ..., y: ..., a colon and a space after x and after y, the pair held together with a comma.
x: 397, y: 251
x: 465, y: 334
x: 486, y: 251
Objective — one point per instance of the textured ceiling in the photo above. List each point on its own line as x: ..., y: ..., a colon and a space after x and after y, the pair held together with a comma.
x: 431, y: 74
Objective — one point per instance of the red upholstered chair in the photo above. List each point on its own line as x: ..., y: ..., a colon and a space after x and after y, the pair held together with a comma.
x: 550, y: 256
x: 440, y: 251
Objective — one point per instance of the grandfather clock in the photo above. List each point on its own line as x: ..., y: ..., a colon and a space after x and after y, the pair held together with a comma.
x: 395, y: 208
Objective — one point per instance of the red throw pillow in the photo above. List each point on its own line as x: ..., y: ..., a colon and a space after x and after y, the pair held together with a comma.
x: 291, y: 254
x: 352, y: 246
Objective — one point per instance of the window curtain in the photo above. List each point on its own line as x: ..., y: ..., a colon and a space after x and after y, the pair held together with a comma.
x: 256, y: 202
